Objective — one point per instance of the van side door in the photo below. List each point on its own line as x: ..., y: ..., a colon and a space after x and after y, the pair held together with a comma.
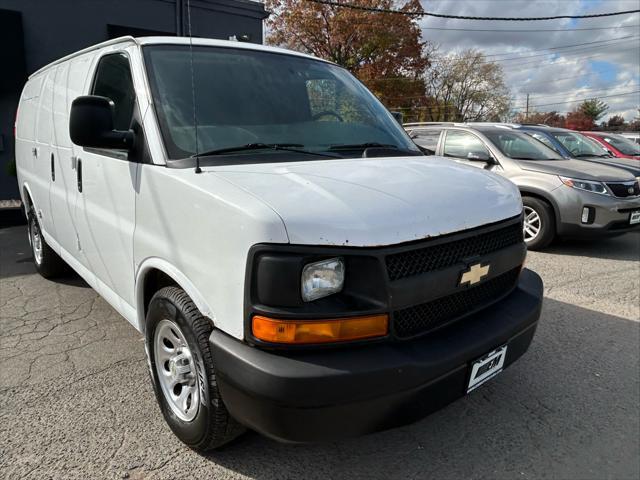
x: 69, y: 83
x: 42, y: 153
x: 106, y: 189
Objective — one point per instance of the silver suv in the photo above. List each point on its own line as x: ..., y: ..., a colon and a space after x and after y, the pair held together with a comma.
x: 561, y: 197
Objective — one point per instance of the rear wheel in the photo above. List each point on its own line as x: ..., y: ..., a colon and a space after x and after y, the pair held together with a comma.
x: 538, y: 226
x: 47, y: 261
x: 183, y: 373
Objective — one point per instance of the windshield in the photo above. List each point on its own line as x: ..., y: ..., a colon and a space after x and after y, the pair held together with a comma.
x: 521, y: 146
x: 246, y: 97
x: 579, y: 145
x: 626, y: 146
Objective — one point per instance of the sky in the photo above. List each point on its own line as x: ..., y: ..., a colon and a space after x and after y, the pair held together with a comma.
x: 609, y: 66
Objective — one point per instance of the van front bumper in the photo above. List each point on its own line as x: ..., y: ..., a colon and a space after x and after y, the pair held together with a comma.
x: 328, y: 394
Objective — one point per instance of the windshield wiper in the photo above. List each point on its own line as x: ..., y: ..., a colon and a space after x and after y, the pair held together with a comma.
x: 361, y: 146
x: 287, y: 147
x: 583, y: 155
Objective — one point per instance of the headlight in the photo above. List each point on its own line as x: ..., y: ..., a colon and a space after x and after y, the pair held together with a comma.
x: 586, y: 185
x: 322, y: 278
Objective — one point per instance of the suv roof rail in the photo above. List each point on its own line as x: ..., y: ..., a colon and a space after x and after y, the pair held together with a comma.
x: 426, y: 124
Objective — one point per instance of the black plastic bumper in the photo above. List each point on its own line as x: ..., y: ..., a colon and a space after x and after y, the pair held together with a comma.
x: 322, y: 395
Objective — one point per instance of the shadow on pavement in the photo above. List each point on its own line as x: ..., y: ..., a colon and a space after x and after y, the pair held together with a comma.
x: 567, y: 409
x: 16, y: 257
x: 625, y: 247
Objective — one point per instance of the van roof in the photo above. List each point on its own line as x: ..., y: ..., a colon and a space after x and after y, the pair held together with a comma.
x: 177, y: 41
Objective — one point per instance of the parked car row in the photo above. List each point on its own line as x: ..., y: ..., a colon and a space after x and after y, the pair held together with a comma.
x: 617, y: 145
x: 570, y: 186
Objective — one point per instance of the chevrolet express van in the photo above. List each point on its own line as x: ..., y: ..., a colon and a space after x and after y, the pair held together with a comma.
x: 296, y: 265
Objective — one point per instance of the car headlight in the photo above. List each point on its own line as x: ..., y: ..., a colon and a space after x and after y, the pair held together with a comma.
x: 586, y: 185
x: 320, y: 279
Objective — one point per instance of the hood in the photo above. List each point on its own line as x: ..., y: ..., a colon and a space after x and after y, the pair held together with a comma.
x: 377, y: 201
x: 631, y: 166
x: 582, y: 169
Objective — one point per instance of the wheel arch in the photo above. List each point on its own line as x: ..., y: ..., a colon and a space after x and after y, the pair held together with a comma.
x: 155, y: 273
x: 541, y: 195
x: 27, y: 198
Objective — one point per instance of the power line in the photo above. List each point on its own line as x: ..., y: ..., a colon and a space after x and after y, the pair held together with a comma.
x: 542, y: 30
x: 463, y: 17
x: 579, y: 57
x: 582, y: 99
x: 600, y: 90
x: 569, y: 52
x: 565, y: 46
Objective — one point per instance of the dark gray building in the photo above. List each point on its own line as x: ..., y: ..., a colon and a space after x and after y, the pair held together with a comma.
x: 35, y: 32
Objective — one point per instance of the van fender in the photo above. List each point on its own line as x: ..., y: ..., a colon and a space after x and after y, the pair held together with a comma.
x: 157, y: 263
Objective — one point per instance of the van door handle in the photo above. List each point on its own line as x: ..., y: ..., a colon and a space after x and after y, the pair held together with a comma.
x: 79, y: 174
x: 53, y: 169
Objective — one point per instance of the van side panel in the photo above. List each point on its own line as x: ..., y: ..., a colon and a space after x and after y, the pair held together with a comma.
x: 26, y: 132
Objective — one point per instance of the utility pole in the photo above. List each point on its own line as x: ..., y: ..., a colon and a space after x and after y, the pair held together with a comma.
x: 526, y: 112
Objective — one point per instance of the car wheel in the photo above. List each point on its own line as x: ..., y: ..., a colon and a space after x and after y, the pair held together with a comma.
x: 538, y: 227
x: 47, y: 261
x: 183, y: 373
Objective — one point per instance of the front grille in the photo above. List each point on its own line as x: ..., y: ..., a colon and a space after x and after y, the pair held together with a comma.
x: 428, y: 258
x: 627, y: 189
x: 426, y: 317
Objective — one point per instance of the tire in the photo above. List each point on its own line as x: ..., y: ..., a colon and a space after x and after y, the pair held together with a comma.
x: 48, y: 263
x: 539, y: 224
x: 184, y: 357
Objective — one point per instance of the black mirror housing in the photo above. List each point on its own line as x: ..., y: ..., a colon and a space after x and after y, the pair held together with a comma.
x: 91, y: 124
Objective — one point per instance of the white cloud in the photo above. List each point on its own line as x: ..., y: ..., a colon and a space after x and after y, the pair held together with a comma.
x: 564, y: 76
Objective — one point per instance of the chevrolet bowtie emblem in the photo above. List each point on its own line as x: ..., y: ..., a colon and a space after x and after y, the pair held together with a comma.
x: 474, y: 274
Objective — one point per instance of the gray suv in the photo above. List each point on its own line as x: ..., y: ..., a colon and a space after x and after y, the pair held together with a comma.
x: 561, y: 197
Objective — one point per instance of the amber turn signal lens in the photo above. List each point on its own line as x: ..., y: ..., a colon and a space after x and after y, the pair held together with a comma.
x: 319, y: 331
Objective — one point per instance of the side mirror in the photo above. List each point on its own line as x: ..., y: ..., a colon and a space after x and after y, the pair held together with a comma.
x: 398, y: 116
x: 479, y: 157
x: 91, y: 124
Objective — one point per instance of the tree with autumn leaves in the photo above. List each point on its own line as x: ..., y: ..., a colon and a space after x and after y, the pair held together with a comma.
x: 387, y: 53
x: 384, y: 51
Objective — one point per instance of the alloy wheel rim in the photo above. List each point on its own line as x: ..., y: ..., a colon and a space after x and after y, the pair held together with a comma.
x: 532, y: 224
x: 36, y: 242
x: 176, y: 371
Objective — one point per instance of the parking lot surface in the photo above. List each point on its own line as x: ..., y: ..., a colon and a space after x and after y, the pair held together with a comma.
x: 76, y: 400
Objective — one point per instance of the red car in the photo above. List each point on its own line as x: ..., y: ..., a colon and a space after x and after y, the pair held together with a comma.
x: 618, y: 145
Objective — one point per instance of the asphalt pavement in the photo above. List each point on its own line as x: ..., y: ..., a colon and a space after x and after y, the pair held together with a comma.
x: 76, y: 401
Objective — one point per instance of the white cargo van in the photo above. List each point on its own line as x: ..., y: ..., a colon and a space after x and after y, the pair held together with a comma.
x: 296, y: 265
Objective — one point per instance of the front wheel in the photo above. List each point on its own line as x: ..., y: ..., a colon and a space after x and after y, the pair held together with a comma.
x: 183, y: 373
x: 538, y: 227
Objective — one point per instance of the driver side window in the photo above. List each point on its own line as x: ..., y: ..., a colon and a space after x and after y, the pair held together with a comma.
x: 113, y: 80
x: 460, y: 144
